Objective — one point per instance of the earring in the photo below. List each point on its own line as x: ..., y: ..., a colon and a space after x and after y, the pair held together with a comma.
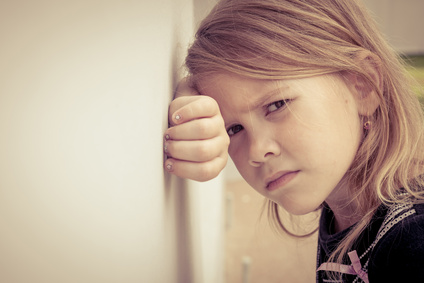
x: 367, y: 125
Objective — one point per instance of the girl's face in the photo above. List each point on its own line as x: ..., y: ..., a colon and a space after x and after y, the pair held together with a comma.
x: 291, y: 140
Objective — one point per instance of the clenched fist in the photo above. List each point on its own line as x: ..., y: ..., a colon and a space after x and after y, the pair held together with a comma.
x: 196, y: 142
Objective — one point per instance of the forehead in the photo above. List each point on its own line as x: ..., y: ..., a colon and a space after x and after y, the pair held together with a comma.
x: 237, y: 94
x: 231, y: 88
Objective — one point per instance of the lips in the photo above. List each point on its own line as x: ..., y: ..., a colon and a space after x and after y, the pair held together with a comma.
x: 280, y: 179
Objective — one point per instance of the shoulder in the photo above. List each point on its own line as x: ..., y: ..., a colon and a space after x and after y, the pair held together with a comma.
x: 399, y: 255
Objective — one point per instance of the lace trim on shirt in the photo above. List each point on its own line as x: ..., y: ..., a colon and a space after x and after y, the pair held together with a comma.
x: 395, y: 214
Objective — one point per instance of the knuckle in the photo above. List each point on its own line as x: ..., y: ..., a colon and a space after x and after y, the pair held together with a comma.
x: 210, y: 102
x: 198, y: 106
x: 224, y: 143
x: 226, y: 140
x: 203, y: 127
x: 221, y: 122
x: 207, y: 172
x: 224, y: 160
x: 203, y: 152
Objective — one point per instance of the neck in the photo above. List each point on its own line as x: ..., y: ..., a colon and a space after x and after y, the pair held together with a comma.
x: 343, y: 220
x: 344, y: 209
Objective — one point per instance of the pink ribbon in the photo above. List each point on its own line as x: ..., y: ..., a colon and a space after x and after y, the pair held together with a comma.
x: 354, y: 269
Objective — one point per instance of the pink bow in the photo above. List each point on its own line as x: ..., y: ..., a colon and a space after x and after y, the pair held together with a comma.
x: 354, y: 269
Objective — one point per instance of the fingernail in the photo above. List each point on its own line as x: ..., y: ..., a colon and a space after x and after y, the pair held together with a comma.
x: 169, y: 166
x: 165, y: 148
x: 167, y: 137
x: 177, y: 117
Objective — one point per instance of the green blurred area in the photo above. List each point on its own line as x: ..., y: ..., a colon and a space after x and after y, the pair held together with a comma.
x: 415, y: 66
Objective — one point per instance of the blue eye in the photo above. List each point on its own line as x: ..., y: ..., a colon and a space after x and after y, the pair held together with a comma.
x: 234, y: 129
x: 275, y: 106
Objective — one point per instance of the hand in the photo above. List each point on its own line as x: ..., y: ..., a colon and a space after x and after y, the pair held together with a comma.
x: 196, y: 142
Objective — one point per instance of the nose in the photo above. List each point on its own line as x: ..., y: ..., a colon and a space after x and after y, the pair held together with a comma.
x: 262, y: 147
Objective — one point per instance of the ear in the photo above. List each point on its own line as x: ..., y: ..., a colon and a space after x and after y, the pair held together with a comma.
x: 366, y: 88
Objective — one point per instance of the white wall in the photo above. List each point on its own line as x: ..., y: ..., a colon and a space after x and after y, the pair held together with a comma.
x: 84, y: 91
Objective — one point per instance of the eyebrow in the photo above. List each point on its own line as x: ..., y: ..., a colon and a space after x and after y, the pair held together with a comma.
x: 258, y: 103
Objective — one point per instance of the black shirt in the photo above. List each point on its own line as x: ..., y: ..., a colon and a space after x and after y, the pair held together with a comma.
x: 391, y: 249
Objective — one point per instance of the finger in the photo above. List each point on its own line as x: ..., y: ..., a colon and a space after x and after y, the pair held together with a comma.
x: 196, y: 151
x: 196, y: 171
x: 187, y: 108
x: 199, y: 129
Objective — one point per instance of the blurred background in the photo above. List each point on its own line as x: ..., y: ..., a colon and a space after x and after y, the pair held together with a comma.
x: 253, y: 251
x: 84, y: 91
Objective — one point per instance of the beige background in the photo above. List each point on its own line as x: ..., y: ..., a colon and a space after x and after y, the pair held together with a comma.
x: 84, y: 89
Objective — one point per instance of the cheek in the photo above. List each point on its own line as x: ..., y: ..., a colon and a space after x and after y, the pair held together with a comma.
x: 236, y: 153
x: 233, y: 150
x: 240, y: 158
x: 303, y: 138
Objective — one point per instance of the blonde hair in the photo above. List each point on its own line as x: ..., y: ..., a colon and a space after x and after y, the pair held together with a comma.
x: 283, y: 39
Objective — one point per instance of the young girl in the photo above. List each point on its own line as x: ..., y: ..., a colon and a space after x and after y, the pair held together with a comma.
x: 316, y: 112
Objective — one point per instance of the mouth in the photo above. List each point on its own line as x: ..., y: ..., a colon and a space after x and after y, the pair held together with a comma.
x: 280, y: 179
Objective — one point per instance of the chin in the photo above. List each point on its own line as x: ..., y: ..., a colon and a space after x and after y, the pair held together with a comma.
x: 299, y: 209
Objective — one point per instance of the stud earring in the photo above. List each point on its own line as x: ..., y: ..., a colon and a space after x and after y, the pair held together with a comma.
x: 367, y: 125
